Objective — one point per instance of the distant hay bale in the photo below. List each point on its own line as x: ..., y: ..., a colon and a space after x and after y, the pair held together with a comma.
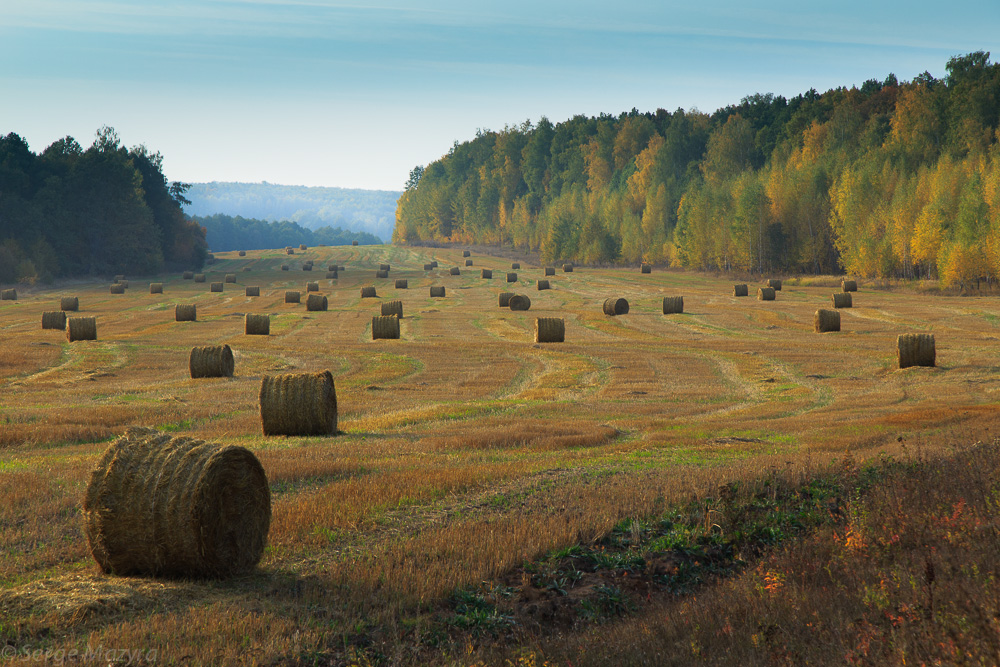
x: 176, y: 507
x: 312, y: 287
x: 543, y: 284
x: 842, y: 300
x: 774, y: 283
x: 385, y: 327
x: 246, y: 268
x: 316, y: 302
x: 434, y: 264
x: 242, y: 253
x: 486, y: 273
x: 519, y: 302
x: 307, y: 267
x: 466, y: 253
x: 186, y: 312
x: 331, y: 275
x: 303, y: 246
x: 550, y: 271
x: 401, y: 283
x: 123, y: 283
x: 645, y: 268
x: 331, y: 267
x: 394, y: 307
x: 187, y: 275
x: 550, y: 330
x: 826, y: 320
x: 289, y: 251
x: 381, y: 274
x: 504, y: 299
x: 341, y: 269
x: 368, y: 292
x: 354, y: 243
x: 454, y: 271
x: 117, y: 288
x: 216, y: 287
x: 515, y: 265
x: 567, y: 268
x: 284, y: 267
x: 257, y: 325
x: 741, y: 290
x: 511, y: 277
x: 384, y: 267
x: 81, y: 328
x: 468, y: 262
x: 253, y: 290
x: 54, y: 319
x: 673, y: 305
x: 849, y: 285
x: 211, y: 361
x: 916, y: 350
x: 199, y: 277
x: 69, y: 303
x: 156, y: 288
x: 615, y: 306
x: 765, y: 294
x: 437, y: 291
x: 428, y: 267
x: 293, y: 296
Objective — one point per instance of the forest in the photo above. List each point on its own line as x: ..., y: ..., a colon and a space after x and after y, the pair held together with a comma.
x: 225, y: 232
x: 99, y: 211
x: 895, y: 179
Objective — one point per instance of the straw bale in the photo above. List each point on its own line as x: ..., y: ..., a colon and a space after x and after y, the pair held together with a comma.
x: 69, y: 303
x: 156, y: 288
x: 123, y: 283
x: 354, y: 243
x: 765, y: 294
x: 211, y: 361
x: 242, y: 253
x: 519, y: 302
x: 316, y: 302
x: 186, y: 312
x: 303, y: 246
x: 454, y: 271
x: 826, y: 320
x: 246, y: 268
x: 486, y: 273
x: 394, y: 307
x: 187, y: 275
x: 368, y: 292
x: 774, y: 283
x: 312, y: 287
x: 741, y: 290
x: 289, y: 251
x: 384, y: 267
x: 331, y: 275
x: 504, y: 299
x: 293, y: 296
x: 284, y: 267
x: 176, y: 507
x: 511, y: 277
x: 567, y: 268
x: 216, y: 287
x: 615, y: 306
x: 381, y: 274
x: 434, y: 264
x: 81, y: 328
x: 257, y: 325
x: 437, y: 291
x: 307, y: 267
x: 428, y: 267
x: 401, y: 283
x: 199, y: 277
x: 842, y: 300
x: 117, y: 288
x: 550, y: 271
x: 645, y: 268
x: 468, y: 262
x: 466, y: 253
x: 54, y: 319
x: 916, y: 350
x: 673, y: 305
x: 550, y: 330
x: 515, y: 265
x: 543, y: 284
x: 253, y: 290
x: 849, y: 285
x: 385, y: 327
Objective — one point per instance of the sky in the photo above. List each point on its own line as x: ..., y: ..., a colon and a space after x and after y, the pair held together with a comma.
x: 355, y: 94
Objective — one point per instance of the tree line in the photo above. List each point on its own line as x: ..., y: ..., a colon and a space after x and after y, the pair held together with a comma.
x: 892, y: 179
x: 224, y: 233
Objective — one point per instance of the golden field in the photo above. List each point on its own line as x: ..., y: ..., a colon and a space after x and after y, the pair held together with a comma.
x: 467, y: 453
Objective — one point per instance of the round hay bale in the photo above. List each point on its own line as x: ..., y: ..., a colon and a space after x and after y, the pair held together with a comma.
x: 303, y: 246
x: 849, y: 285
x: 543, y: 284
x: 454, y: 271
x: 550, y: 271
x: 199, y: 277
x: 54, y: 319
x: 230, y: 278
x: 385, y: 327
x: 253, y: 290
x: 331, y: 275
x: 307, y: 267
x: 916, y: 350
x: 156, y: 288
x: 246, y: 268
x: 842, y: 300
x: 645, y: 268
x: 341, y: 269
x: 468, y: 262
x: 368, y: 292
x: 117, y: 288
x: 434, y: 264
x: 615, y: 306
x: 332, y: 267
x: 69, y: 303
x: 354, y: 243
x: 774, y: 283
x: 293, y: 297
x: 81, y: 328
x: 428, y: 267
x: 394, y: 307
x: 486, y: 273
x: 242, y: 253
x: 466, y: 253
x: 401, y: 283
x: 515, y: 265
x: 519, y: 302
x: 176, y: 507
x: 765, y: 294
x: 289, y: 251
x: 187, y: 275
x: 216, y: 287
x: 826, y: 320
x: 381, y: 274
x: 384, y: 267
x: 257, y: 325
x: 567, y: 268
x: 123, y: 283
x: 512, y: 277
x: 741, y: 290
x: 673, y: 305
x: 312, y: 287
x: 550, y: 330
x: 504, y: 299
x: 211, y: 361
x: 437, y: 291
x: 284, y: 267
x: 316, y: 302
x: 186, y: 312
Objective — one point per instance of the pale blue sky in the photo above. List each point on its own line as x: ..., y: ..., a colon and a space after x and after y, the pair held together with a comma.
x: 320, y: 92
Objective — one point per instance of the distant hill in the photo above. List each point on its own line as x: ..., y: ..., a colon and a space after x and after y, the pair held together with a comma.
x: 372, y: 211
x: 224, y: 233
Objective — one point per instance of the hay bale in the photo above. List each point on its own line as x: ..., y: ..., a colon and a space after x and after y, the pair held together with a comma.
x: 466, y: 253
x: 156, y: 288
x: 774, y: 283
x: 381, y: 274
x: 332, y: 267
x: 289, y: 251
x: 434, y: 264
x: 550, y: 330
x: 312, y: 287
x: 316, y: 302
x: 69, y: 303
x: 293, y: 297
x: 615, y: 306
x: 384, y: 267
x: 842, y: 300
x: 81, y: 328
x: 54, y: 319
x: 673, y: 305
x: 216, y: 287
x: 199, y: 277
x: 567, y: 268
x: 176, y: 507
x: 645, y: 268
x: 246, y: 268
x: 331, y: 275
x: 437, y: 291
x: 186, y: 312
x: 428, y: 267
x: 468, y: 262
x: 543, y: 284
x: 117, y: 288
x: 826, y: 320
x: 257, y: 325
x: 211, y: 361
x: 230, y: 278
x: 187, y: 275
x: 741, y: 290
x: 515, y: 265
x: 511, y: 277
x: 385, y: 327
x: 401, y: 283
x: 486, y: 273
x: 519, y: 302
x: 849, y: 285
x: 242, y: 253
x: 765, y: 294
x: 454, y: 271
x: 916, y: 350
x: 550, y: 271
x: 368, y: 292
x: 120, y: 277
x: 307, y: 267
x: 394, y: 307
x: 303, y: 246
x: 504, y: 299
x: 354, y: 243
x: 123, y: 283
x: 253, y: 290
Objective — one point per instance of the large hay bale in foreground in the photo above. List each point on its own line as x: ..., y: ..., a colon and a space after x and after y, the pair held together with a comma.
x: 428, y: 267
x: 216, y: 287
x: 117, y: 288
x: 316, y: 303
x: 550, y: 271
x: 252, y: 290
x: 54, y: 319
x: 394, y: 307
x: 774, y: 283
x: 826, y: 320
x: 242, y: 253
x: 486, y: 273
x: 385, y: 327
x: 615, y: 306
x: 156, y: 288
x: 466, y: 253
x: 916, y: 350
x: 842, y: 300
x: 765, y: 294
x: 176, y: 507
x: 199, y: 277
x: 504, y: 299
x: 187, y: 275
x: 673, y: 305
x: 81, y: 328
x: 211, y: 361
x: 292, y: 296
x: 312, y: 287
x: 186, y: 312
x: 550, y: 330
x: 519, y: 302
x: 401, y: 283
x: 69, y: 303
x: 368, y: 292
x: 512, y: 277
x: 257, y: 325
x: 468, y: 262
x: 381, y: 274
x: 741, y: 290
x: 849, y: 285
x: 437, y: 291
x: 645, y: 268
x: 542, y: 285
x: 230, y: 278
x: 454, y: 271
